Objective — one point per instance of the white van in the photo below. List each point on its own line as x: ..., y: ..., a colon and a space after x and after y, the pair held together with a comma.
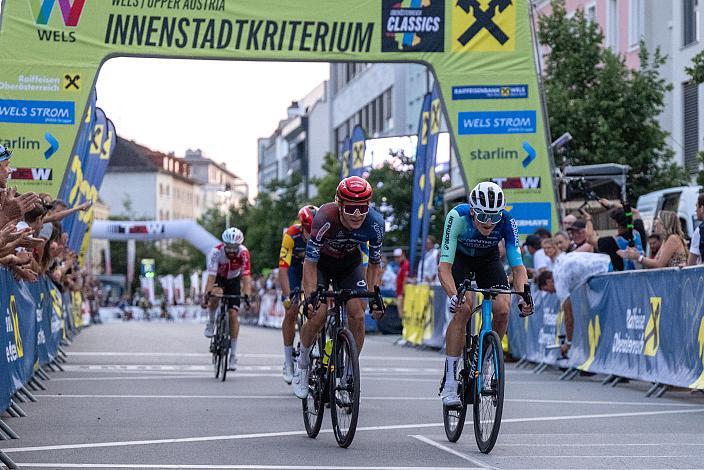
x: 682, y: 200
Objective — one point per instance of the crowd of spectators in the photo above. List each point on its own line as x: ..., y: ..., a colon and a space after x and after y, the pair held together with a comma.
x: 32, y: 243
x: 667, y: 246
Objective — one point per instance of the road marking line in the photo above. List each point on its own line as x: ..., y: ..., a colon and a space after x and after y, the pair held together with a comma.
x: 209, y: 367
x: 300, y: 433
x: 372, y: 398
x: 437, y: 359
x: 639, y: 444
x: 243, y: 467
x: 451, y: 451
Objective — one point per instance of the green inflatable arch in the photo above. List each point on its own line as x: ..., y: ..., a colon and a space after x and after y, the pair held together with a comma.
x: 481, y: 53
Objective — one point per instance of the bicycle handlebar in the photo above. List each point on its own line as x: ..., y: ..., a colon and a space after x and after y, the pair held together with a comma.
x: 466, y: 286
x: 344, y: 295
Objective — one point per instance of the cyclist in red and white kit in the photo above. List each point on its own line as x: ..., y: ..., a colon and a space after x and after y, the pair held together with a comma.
x: 228, y: 265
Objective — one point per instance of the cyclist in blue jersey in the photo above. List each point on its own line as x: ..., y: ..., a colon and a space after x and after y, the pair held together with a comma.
x: 470, y: 246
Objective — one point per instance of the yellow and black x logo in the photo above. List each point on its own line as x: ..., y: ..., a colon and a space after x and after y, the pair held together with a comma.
x: 72, y: 82
x: 358, y: 154
x: 489, y: 28
x: 435, y: 116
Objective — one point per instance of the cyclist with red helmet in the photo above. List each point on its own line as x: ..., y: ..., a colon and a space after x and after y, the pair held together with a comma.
x: 333, y: 256
x: 293, y: 251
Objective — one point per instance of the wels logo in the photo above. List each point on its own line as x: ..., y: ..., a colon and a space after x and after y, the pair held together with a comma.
x: 14, y: 351
x: 70, y: 11
x: 32, y: 174
x: 652, y: 329
x: 594, y: 335
x: 413, y: 25
x: 484, y: 26
x: 699, y: 384
x: 518, y: 182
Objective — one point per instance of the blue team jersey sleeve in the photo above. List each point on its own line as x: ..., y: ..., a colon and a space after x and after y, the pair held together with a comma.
x: 511, y: 240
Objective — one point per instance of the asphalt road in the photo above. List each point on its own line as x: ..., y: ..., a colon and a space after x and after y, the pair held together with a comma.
x: 142, y: 395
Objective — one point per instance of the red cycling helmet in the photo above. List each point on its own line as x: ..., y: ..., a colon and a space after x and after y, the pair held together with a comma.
x: 305, y: 215
x: 353, y: 189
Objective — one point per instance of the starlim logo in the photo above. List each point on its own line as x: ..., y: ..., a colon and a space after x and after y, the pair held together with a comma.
x: 594, y: 335
x: 651, y: 336
x: 70, y: 11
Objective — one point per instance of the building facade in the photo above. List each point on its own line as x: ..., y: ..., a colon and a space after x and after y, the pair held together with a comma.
x: 219, y: 186
x: 143, y: 183
x: 384, y: 99
x: 673, y: 26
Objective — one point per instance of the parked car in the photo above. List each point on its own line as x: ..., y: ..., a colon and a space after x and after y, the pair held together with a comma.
x: 682, y: 200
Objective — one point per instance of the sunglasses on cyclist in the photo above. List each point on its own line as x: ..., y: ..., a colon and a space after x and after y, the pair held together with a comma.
x: 352, y: 209
x: 231, y: 248
x: 483, y: 217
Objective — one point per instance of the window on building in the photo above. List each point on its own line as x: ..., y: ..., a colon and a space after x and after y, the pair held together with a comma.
x: 636, y: 23
x: 161, y: 189
x: 590, y: 12
x: 690, y: 23
x: 612, y: 25
x: 165, y: 163
x: 691, y: 125
x: 168, y: 190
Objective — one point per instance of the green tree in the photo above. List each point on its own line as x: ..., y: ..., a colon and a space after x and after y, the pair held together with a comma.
x: 610, y: 110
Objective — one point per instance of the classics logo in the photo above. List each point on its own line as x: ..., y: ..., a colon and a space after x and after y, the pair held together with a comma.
x: 37, y: 112
x: 413, y: 25
x: 518, y: 182
x: 642, y: 333
x: 503, y: 153
x: 144, y: 229
x: 70, y: 16
x: 497, y: 122
x: 484, y: 26
x: 24, y: 143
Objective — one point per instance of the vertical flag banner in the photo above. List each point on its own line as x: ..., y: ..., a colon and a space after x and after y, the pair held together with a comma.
x: 481, y: 52
x: 417, y: 204
x: 428, y: 186
x: 357, y: 148
x: 345, y: 158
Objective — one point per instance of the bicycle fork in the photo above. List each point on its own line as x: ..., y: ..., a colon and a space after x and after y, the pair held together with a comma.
x: 479, y: 351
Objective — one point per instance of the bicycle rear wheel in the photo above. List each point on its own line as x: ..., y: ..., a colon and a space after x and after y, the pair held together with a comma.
x: 314, y: 404
x: 489, y: 393
x: 344, y: 388
x: 224, y: 345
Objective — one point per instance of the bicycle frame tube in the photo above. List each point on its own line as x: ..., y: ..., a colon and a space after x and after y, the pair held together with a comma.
x: 486, y: 328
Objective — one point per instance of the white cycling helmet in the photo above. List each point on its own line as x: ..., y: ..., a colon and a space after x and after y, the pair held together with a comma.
x: 233, y: 236
x: 487, y: 197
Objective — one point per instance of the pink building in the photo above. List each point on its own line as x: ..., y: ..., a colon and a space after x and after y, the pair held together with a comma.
x: 622, y: 22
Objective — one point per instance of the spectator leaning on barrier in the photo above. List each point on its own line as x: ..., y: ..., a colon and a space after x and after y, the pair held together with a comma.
x: 552, y: 252
x: 654, y: 244
x: 539, y: 257
x: 563, y: 242
x: 530, y: 247
x: 612, y: 245
x: 404, y: 267
x: 673, y: 252
x: 696, y: 248
x: 428, y: 266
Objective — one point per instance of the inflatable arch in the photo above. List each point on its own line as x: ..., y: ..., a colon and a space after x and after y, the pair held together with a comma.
x: 482, y: 55
x: 186, y: 229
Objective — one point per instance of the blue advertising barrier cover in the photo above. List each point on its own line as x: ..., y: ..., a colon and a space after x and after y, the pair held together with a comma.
x: 31, y: 319
x: 21, y: 320
x: 5, y: 386
x: 536, y: 338
x: 644, y: 325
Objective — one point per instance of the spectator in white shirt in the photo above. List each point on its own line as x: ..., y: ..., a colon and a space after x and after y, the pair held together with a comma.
x: 695, y: 252
x: 428, y: 266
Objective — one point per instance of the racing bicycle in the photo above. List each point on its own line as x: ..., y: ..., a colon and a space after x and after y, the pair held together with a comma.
x: 220, y: 342
x: 481, y: 378
x: 334, y: 367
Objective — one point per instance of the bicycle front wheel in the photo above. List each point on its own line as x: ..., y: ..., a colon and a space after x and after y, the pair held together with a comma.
x: 344, y: 388
x: 489, y: 393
